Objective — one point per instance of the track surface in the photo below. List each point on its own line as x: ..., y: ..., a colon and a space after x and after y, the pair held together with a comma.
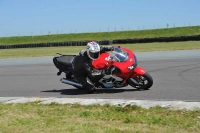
x: 176, y: 76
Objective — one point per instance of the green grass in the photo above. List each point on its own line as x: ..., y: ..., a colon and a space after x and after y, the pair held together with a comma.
x: 54, y: 118
x: 50, y: 51
x: 181, y: 31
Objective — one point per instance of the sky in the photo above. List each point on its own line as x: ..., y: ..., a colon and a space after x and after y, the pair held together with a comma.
x: 41, y: 17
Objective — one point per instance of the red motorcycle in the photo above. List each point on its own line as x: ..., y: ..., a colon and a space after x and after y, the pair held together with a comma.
x: 121, y: 62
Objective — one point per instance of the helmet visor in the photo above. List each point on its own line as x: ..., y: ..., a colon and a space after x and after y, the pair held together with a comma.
x: 94, y: 56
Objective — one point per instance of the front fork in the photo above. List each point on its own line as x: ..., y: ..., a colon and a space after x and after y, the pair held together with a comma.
x: 138, y: 71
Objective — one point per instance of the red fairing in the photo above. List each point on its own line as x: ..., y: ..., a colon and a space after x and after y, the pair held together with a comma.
x: 138, y: 71
x: 123, y: 66
x: 102, y: 62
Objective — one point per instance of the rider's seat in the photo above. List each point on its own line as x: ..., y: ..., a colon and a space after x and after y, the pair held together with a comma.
x: 63, y: 62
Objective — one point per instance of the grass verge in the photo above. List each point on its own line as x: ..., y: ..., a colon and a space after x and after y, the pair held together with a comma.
x: 50, y: 51
x: 51, y: 118
x: 180, y: 31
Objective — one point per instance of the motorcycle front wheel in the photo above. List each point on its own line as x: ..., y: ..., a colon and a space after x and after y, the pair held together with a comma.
x: 143, y: 82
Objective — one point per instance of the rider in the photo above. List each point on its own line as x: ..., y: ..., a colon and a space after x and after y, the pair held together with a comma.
x: 82, y: 64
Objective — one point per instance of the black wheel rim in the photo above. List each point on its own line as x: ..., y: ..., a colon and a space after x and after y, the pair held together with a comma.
x: 142, y: 82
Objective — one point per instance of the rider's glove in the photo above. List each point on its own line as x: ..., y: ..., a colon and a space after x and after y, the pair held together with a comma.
x: 111, y: 48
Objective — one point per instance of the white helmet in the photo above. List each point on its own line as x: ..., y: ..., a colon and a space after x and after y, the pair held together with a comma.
x: 93, y: 50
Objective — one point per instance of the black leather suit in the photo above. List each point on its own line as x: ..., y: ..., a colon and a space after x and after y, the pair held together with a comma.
x: 82, y: 68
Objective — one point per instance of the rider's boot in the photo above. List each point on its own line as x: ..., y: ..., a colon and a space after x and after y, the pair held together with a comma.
x: 68, y: 75
x: 90, y: 89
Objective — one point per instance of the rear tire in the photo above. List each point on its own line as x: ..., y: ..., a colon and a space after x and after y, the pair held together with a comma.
x: 144, y: 82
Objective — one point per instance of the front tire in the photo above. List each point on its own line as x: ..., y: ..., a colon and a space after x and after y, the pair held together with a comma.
x: 143, y: 82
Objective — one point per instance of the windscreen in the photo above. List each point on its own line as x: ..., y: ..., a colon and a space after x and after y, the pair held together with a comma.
x: 119, y: 55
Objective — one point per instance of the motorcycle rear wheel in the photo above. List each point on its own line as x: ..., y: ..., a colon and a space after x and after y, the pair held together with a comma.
x: 143, y: 82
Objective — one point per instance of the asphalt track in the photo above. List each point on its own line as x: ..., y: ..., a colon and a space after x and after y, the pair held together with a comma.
x: 176, y: 76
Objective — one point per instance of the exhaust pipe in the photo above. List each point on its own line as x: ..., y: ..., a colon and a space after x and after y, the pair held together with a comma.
x: 70, y: 82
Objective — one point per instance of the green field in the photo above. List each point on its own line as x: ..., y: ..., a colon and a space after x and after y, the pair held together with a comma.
x: 181, y: 31
x: 54, y: 118
x: 51, y: 51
